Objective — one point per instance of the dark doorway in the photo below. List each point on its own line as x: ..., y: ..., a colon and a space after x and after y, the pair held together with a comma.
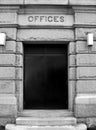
x: 45, y: 76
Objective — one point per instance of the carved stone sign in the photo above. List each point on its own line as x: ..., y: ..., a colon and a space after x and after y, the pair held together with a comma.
x: 47, y: 20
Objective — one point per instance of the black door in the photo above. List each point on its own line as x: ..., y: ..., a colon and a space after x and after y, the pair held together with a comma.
x: 45, y: 80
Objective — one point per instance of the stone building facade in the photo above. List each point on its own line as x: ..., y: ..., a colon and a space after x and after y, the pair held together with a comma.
x: 66, y: 22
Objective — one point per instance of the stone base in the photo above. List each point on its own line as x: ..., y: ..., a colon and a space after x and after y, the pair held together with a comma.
x: 22, y: 127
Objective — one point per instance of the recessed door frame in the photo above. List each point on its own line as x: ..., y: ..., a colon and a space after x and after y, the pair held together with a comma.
x: 71, y: 93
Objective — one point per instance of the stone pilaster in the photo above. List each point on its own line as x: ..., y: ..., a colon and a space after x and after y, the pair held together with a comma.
x: 85, y: 62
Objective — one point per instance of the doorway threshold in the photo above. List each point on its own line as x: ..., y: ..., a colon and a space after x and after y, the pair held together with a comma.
x: 46, y: 118
x: 45, y: 113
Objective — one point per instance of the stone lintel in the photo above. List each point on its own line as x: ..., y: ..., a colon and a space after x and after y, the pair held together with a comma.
x: 48, y: 2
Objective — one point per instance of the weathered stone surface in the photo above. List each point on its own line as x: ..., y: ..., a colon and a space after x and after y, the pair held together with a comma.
x: 47, y: 113
x: 7, y: 72
x: 11, y: 2
x: 8, y: 110
x: 7, y: 59
x: 86, y: 59
x: 82, y: 2
x: 72, y: 93
x: 46, y: 121
x: 81, y: 47
x: 19, y: 93
x: 45, y: 35
x: 81, y: 33
x: 28, y: 20
x: 19, y: 60
x: 87, y: 18
x: 85, y: 110
x: 86, y: 86
x: 85, y: 99
x: 20, y: 102
x: 72, y: 48
x: 86, y: 72
x: 71, y: 61
x: 10, y: 32
x: 6, y: 120
x: 11, y: 60
x: 19, y: 47
x: 7, y: 87
x: 91, y: 121
x: 6, y: 99
x: 56, y: 2
x: 85, y: 106
x: 19, y: 87
x: 72, y: 73
x: 19, y: 73
x: 8, y: 18
x: 10, y: 47
x: 8, y: 105
x: 70, y: 127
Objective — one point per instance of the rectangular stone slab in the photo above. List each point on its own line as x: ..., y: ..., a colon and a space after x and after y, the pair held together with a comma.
x: 46, y: 121
x: 70, y: 127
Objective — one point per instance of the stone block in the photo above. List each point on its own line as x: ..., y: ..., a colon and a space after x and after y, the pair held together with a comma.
x: 7, y: 87
x: 11, y: 60
x: 45, y: 35
x: 7, y: 72
x: 72, y: 73
x: 20, y: 102
x: 8, y: 18
x: 71, y: 60
x: 86, y: 59
x: 10, y: 32
x: 70, y: 127
x: 85, y: 110
x: 72, y: 93
x: 19, y: 60
x: 8, y: 105
x: 50, y: 2
x: 81, y: 33
x: 7, y: 59
x: 87, y: 99
x: 86, y: 72
x: 19, y: 73
x: 85, y: 105
x: 7, y: 99
x: 19, y: 47
x: 81, y: 47
x: 86, y: 86
x: 85, y: 18
x: 8, y: 110
x: 11, y: 2
x: 72, y: 48
x: 25, y: 21
x: 82, y: 2
x: 19, y: 94
x: 19, y: 87
x: 10, y: 47
x: 6, y: 120
x: 61, y: 121
x: 89, y: 121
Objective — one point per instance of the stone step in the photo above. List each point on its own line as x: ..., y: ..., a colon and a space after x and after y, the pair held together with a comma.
x: 67, y: 127
x: 58, y: 121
